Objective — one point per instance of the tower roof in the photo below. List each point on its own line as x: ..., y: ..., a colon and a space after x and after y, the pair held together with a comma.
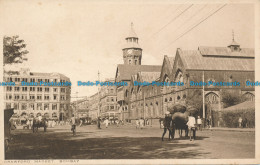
x: 234, y: 43
x: 132, y: 33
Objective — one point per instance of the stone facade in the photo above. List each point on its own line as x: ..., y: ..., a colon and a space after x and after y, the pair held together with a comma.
x: 51, y: 101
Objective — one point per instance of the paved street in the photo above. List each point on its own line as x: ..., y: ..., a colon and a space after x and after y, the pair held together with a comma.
x: 127, y: 142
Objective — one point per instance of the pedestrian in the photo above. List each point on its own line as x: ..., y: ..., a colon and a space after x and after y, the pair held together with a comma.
x: 137, y: 124
x: 199, y: 122
x: 106, y: 122
x: 167, y: 124
x: 117, y: 123
x: 240, y: 122
x: 73, y: 125
x: 141, y: 122
x: 191, y: 126
x: 81, y: 121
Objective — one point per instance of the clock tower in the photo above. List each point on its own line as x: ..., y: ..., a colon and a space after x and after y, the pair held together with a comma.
x: 132, y: 52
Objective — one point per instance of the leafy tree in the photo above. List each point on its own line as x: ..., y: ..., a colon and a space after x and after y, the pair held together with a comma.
x: 230, y: 98
x: 14, y: 50
x: 195, y: 101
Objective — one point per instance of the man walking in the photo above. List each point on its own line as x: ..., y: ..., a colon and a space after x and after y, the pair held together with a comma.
x: 191, y: 126
x: 106, y: 122
x: 73, y: 125
x: 167, y: 125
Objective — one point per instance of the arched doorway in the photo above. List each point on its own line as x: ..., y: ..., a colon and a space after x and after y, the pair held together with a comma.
x: 212, y: 101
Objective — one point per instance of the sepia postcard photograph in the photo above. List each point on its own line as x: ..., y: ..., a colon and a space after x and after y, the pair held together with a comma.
x: 129, y: 82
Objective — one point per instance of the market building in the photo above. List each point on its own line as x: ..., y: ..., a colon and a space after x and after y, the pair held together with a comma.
x: 231, y: 64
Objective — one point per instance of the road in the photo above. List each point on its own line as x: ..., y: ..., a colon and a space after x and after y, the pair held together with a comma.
x: 127, y: 142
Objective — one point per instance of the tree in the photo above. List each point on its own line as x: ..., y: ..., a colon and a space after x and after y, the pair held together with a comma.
x: 194, y: 99
x: 230, y: 98
x: 14, y: 50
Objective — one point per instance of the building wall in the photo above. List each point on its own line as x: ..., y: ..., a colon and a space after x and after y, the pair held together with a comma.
x: 34, y: 100
x: 108, y: 100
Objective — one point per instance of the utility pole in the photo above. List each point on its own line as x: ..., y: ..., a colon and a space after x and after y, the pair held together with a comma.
x: 98, y: 95
x: 203, y: 96
x: 76, y: 105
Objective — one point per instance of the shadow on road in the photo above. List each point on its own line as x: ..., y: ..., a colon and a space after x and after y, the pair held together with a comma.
x: 63, y: 145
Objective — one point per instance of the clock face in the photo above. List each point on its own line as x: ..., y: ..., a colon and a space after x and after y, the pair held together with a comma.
x: 130, y: 51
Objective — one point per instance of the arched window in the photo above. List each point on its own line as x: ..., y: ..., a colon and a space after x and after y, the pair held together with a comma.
x: 249, y: 97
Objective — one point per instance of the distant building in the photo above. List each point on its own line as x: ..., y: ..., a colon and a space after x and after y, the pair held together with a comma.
x: 49, y: 101
x: 94, y: 106
x: 80, y: 108
x: 108, y: 100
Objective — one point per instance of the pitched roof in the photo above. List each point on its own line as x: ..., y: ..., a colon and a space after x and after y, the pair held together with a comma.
x: 225, y: 52
x: 241, y: 106
x: 149, y: 76
x: 234, y: 43
x: 168, y: 62
x: 171, y: 60
x: 124, y: 72
x: 195, y: 60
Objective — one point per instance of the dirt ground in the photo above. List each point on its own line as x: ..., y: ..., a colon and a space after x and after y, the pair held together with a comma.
x: 127, y: 142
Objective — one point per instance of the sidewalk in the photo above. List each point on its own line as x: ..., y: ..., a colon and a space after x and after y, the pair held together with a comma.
x: 230, y: 129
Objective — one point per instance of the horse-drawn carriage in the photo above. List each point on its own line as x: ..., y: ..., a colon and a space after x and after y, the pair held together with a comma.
x: 39, y: 123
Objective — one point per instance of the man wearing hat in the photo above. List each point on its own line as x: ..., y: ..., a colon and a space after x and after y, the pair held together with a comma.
x: 167, y: 124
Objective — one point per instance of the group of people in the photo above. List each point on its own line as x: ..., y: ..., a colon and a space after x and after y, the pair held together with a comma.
x: 168, y: 124
x: 140, y: 123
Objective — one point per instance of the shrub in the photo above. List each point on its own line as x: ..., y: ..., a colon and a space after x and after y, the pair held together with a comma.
x: 230, y: 118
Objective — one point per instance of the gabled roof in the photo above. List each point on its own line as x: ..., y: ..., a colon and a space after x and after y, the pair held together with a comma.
x: 124, y: 72
x: 171, y: 61
x: 195, y: 60
x: 148, y: 76
x: 168, y: 63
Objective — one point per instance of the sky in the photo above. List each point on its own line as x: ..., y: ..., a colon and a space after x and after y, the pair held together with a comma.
x: 79, y: 38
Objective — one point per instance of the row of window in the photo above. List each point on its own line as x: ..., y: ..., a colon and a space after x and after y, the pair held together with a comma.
x: 32, y: 89
x: 39, y: 106
x: 32, y: 97
x: 18, y: 79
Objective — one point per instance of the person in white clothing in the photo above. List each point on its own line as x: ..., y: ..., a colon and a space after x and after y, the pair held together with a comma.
x: 40, y: 118
x: 191, y: 126
x: 137, y: 124
x: 106, y: 122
